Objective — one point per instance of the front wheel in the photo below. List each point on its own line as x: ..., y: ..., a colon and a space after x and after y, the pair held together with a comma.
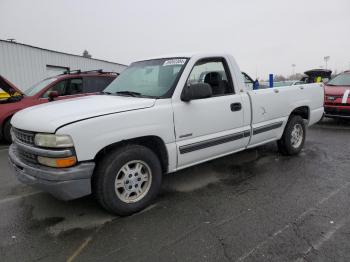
x: 293, y: 138
x: 128, y: 179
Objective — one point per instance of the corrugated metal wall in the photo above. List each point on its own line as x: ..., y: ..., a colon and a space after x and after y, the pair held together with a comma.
x: 25, y: 65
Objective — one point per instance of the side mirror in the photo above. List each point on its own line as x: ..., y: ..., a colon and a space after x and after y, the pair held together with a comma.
x: 196, y: 91
x: 52, y: 95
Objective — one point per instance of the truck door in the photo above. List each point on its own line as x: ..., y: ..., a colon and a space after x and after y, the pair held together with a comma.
x: 209, y: 127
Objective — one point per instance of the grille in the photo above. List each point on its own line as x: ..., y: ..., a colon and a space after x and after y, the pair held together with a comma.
x: 26, y: 157
x: 336, y: 111
x: 337, y: 104
x: 24, y: 136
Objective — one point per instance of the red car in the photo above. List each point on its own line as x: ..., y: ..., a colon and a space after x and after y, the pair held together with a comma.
x: 337, y: 96
x: 68, y: 85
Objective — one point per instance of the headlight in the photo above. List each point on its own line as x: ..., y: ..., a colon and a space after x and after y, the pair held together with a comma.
x: 57, y: 162
x: 55, y: 141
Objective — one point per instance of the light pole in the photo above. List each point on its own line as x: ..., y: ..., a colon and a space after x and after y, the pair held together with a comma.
x: 326, y: 59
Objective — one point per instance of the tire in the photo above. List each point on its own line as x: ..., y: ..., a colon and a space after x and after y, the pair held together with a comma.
x: 292, y: 143
x: 123, y: 172
x: 7, y: 131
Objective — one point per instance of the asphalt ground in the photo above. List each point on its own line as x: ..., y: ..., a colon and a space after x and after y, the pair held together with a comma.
x: 252, y: 206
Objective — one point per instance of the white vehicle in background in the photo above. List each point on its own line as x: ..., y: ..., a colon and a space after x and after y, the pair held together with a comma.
x: 297, y: 82
x: 159, y: 116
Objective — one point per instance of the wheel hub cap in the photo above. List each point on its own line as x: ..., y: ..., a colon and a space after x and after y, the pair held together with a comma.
x: 297, y: 136
x: 133, y: 181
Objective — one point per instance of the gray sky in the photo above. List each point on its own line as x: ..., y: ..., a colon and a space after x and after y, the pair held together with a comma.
x: 264, y: 36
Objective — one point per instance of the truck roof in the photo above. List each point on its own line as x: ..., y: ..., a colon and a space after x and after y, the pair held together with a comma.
x: 186, y: 55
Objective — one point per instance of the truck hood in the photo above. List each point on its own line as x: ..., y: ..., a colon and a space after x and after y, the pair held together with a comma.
x: 50, y: 116
x: 335, y: 90
x: 8, y: 87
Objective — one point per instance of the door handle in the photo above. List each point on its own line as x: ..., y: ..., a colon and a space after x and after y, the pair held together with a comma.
x: 236, y: 107
x: 276, y: 90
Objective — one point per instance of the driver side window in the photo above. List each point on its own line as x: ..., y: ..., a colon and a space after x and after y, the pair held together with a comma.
x: 66, y: 87
x: 60, y: 87
x: 74, y: 87
x: 213, y: 72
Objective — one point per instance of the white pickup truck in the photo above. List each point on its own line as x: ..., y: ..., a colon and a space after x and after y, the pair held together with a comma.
x: 159, y: 116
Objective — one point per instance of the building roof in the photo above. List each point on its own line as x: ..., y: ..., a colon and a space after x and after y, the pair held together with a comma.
x: 53, y: 51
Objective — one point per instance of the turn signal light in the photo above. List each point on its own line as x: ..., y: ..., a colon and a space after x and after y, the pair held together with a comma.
x: 57, y: 162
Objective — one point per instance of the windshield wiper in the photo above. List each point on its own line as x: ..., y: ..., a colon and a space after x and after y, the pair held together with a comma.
x: 128, y: 93
x: 105, y: 93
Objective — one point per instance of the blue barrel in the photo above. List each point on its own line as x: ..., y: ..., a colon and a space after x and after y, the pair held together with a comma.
x: 256, y: 84
x: 271, y: 80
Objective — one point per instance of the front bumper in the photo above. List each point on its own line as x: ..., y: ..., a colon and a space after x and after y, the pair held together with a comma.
x: 62, y: 183
x: 337, y: 111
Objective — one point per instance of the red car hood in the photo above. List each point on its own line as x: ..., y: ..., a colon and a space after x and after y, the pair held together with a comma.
x: 8, y: 87
x: 335, y: 90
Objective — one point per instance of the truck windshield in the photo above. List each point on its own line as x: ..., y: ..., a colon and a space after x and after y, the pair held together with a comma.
x: 340, y: 80
x: 151, y: 78
x: 34, y: 89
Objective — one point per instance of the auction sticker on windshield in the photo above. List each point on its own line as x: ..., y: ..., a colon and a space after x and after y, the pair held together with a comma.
x: 174, y: 62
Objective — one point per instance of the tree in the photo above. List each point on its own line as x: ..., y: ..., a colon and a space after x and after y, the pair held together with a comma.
x: 86, y: 54
x: 278, y: 78
x: 296, y: 76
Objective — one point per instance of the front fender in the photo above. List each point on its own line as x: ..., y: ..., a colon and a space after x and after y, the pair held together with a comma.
x: 92, y: 135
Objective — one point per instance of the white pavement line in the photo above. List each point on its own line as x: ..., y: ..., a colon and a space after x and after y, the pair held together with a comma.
x: 79, y: 249
x: 324, y: 238
x: 333, y: 193
x: 242, y: 258
x: 319, y: 243
x: 328, y: 235
x: 85, y: 243
x: 6, y: 200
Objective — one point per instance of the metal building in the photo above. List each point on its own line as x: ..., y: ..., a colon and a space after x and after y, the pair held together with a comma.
x: 25, y: 65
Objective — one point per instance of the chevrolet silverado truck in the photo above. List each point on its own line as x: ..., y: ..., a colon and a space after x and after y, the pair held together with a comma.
x: 159, y: 116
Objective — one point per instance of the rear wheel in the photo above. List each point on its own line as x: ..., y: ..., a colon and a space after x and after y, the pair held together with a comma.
x: 293, y: 138
x: 7, y: 131
x: 128, y: 179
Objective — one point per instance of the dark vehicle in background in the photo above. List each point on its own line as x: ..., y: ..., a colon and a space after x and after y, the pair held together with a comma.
x: 68, y: 85
x: 337, y: 96
x: 316, y: 75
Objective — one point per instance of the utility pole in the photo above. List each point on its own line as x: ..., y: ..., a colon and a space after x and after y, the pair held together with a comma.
x: 326, y: 59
